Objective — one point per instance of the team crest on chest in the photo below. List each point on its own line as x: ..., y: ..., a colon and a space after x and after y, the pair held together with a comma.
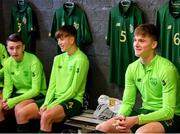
x: 63, y: 23
x: 131, y: 28
x: 169, y: 27
x: 76, y: 25
x: 24, y: 20
x: 118, y: 24
x: 70, y: 68
x: 153, y: 81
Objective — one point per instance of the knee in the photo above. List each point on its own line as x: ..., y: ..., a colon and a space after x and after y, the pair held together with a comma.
x: 46, y: 117
x: 99, y: 127
x: 104, y: 127
x: 20, y: 116
x: 1, y: 116
x: 141, y: 131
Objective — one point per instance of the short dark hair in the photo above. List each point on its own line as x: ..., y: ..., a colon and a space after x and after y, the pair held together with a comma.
x: 147, y: 29
x: 14, y: 38
x: 66, y: 30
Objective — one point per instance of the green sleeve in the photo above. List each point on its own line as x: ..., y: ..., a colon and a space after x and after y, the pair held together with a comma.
x: 37, y: 73
x: 79, y: 77
x: 139, y: 17
x: 129, y: 95
x: 52, y: 86
x: 8, y: 84
x: 54, y: 27
x: 30, y: 23
x: 86, y: 37
x: 3, y: 57
x: 168, y: 102
x: 108, y: 36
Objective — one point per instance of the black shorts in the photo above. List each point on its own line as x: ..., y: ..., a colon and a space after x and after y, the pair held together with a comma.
x: 176, y: 125
x: 166, y: 124
x: 39, y: 100
x: 72, y: 108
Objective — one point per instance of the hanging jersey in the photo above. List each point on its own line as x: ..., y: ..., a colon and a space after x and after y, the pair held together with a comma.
x: 122, y: 22
x: 75, y: 16
x: 168, y: 22
x: 23, y: 22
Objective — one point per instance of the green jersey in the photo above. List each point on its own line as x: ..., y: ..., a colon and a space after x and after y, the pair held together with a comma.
x: 168, y: 22
x: 72, y: 16
x: 3, y: 57
x: 157, y: 83
x: 23, y: 22
x: 68, y: 78
x: 122, y: 22
x: 25, y: 78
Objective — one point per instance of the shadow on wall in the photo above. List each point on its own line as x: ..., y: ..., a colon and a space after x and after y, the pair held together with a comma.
x: 1, y: 23
x: 46, y: 46
x: 35, y: 34
x: 96, y: 85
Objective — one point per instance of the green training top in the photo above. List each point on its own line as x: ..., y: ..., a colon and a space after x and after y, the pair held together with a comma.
x: 23, y: 22
x: 26, y: 76
x: 122, y: 22
x: 68, y: 78
x: 168, y: 22
x: 72, y: 16
x: 157, y: 84
x: 3, y: 57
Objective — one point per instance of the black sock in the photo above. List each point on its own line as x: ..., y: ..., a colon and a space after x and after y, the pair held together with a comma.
x: 23, y: 128
x: 95, y: 131
x: 42, y: 131
x: 3, y: 126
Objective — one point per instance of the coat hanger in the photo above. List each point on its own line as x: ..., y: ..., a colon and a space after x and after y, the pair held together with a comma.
x: 175, y: 2
x: 69, y: 4
x: 20, y: 2
x: 125, y: 2
x: 175, y: 7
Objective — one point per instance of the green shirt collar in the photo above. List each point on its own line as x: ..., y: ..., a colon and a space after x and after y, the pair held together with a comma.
x: 124, y: 9
x: 149, y: 66
x: 21, y: 62
x: 21, y: 8
x: 174, y: 8
x: 69, y: 10
x: 74, y: 54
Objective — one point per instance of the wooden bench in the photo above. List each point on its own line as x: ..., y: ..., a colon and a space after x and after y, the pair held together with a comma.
x: 84, y: 122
